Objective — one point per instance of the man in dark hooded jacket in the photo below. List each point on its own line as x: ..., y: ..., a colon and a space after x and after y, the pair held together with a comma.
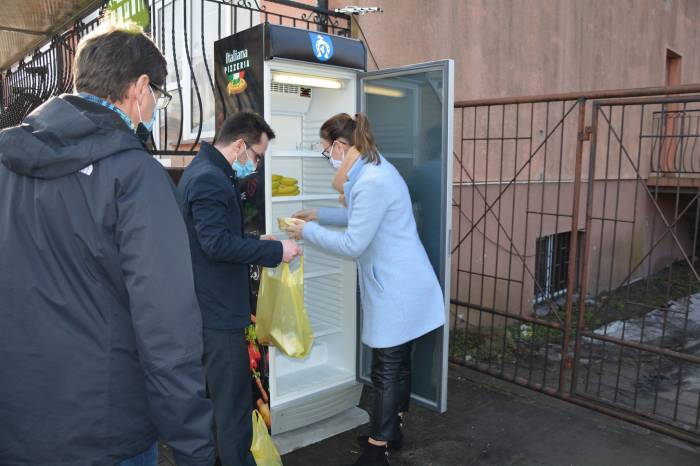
x: 100, y: 332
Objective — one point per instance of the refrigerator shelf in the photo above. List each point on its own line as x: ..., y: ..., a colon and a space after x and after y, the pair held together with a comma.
x: 281, y: 153
x: 305, y: 197
x: 306, y: 381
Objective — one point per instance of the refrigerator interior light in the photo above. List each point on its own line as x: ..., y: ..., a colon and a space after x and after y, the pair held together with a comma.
x: 384, y: 91
x: 306, y: 80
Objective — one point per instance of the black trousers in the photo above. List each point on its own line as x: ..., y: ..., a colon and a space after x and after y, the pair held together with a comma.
x: 229, y: 381
x: 391, y: 378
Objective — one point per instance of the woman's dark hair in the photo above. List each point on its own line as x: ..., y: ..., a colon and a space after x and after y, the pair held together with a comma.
x: 112, y: 57
x: 356, y: 131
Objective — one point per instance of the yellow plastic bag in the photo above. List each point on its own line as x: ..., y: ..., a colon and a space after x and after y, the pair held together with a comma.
x: 281, y: 318
x: 263, y: 450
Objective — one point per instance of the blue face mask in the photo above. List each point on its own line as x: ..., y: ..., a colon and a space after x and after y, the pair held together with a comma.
x: 148, y: 125
x: 243, y: 171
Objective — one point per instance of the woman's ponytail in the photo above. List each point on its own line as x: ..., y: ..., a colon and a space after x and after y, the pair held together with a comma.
x: 363, y: 139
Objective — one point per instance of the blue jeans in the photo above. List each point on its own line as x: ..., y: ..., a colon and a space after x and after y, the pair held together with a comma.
x: 146, y: 458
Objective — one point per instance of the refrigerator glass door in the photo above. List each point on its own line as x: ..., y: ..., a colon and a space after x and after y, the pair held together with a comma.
x: 410, y: 109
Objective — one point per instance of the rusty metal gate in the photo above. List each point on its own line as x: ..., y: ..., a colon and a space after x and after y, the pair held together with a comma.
x: 575, y: 268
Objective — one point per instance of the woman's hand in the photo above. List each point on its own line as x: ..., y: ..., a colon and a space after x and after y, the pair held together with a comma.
x: 294, y: 230
x: 341, y: 199
x: 307, y: 215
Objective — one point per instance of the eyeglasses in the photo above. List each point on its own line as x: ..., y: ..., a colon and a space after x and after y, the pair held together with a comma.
x: 326, y: 152
x: 164, y: 98
x: 257, y: 156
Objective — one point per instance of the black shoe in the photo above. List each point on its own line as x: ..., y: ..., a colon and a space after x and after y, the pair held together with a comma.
x: 394, y: 445
x: 373, y: 455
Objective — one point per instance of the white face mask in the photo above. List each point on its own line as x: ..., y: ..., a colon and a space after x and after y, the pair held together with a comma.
x: 335, y: 163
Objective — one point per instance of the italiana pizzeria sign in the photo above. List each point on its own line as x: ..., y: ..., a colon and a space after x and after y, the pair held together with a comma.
x: 236, y: 63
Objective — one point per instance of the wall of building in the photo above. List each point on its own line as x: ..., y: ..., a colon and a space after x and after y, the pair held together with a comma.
x: 513, y: 48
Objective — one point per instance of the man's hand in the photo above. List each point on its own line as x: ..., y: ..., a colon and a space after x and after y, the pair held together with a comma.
x: 290, y: 250
x: 306, y: 215
x: 268, y: 238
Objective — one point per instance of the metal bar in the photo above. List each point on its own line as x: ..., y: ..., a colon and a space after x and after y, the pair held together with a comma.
x: 662, y: 136
x: 527, y: 207
x: 512, y: 229
x: 471, y: 245
x: 204, y: 53
x: 315, y: 9
x: 611, y: 219
x: 600, y: 249
x: 500, y: 139
x: 548, y: 285
x: 566, y: 360
x: 631, y: 255
x: 483, y: 252
x: 588, y: 95
x: 177, y: 77
x: 547, y: 214
x: 691, y: 358
x: 195, y: 86
x: 487, y: 275
x: 496, y: 312
x: 610, y: 279
x: 586, y: 248
x: 498, y: 231
x: 459, y: 228
x: 244, y: 6
x: 652, y: 99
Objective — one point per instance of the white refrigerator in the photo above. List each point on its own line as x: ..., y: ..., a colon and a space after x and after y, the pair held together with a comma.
x: 298, y: 79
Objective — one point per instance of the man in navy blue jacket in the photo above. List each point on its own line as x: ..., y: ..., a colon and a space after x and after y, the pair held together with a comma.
x: 100, y: 348
x: 221, y: 253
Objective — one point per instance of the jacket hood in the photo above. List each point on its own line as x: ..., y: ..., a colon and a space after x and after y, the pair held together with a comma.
x: 62, y: 136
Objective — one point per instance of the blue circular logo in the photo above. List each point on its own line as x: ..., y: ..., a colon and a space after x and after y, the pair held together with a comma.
x: 322, y: 46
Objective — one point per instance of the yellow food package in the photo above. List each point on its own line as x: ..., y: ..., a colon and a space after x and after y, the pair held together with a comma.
x: 287, y: 189
x: 284, y: 222
x: 263, y: 450
x: 281, y: 318
x: 296, y: 192
x: 289, y: 181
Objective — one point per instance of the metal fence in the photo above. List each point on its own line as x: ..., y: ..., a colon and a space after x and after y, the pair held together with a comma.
x: 574, y: 264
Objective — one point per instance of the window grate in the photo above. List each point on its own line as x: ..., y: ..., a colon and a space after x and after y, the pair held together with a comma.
x: 552, y: 265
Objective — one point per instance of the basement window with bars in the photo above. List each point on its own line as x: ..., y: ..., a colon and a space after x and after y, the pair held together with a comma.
x: 552, y: 265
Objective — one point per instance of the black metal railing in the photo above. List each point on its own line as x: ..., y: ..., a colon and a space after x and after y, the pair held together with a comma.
x: 675, y: 139
x: 47, y: 73
x: 185, y: 31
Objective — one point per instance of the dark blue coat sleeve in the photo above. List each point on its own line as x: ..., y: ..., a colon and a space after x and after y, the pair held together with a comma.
x: 210, y: 212
x: 155, y: 260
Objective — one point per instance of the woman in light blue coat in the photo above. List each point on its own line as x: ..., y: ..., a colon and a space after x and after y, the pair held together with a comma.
x: 401, y: 297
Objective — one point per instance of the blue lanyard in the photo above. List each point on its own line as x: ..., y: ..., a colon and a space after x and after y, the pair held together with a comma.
x: 109, y: 105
